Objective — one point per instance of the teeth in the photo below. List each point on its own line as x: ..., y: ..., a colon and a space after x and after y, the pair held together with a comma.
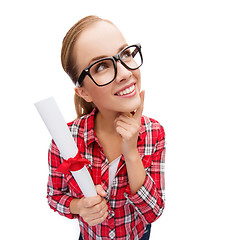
x: 126, y: 91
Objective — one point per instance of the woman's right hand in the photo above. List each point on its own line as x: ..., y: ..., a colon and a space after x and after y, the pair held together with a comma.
x: 93, y: 210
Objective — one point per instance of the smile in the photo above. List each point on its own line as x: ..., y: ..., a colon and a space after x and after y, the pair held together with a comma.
x: 127, y: 91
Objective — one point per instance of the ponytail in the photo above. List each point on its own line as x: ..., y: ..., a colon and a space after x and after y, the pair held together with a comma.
x: 81, y: 106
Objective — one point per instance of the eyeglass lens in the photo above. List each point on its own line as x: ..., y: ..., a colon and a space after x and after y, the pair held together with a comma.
x: 103, y: 71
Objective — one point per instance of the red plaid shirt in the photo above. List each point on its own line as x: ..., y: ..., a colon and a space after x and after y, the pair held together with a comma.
x: 128, y: 214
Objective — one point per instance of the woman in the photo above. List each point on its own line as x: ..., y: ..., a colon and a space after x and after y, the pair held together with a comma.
x: 125, y: 149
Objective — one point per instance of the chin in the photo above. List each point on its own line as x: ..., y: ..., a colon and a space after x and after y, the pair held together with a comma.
x: 131, y: 107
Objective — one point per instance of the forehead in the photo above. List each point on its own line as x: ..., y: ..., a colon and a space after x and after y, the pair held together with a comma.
x: 99, y: 39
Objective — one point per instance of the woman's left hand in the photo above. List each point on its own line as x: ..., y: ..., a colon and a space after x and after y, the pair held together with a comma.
x: 128, y: 128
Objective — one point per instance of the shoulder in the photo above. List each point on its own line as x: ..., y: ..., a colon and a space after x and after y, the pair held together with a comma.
x: 151, y: 125
x: 152, y: 135
x: 78, y: 126
x: 83, y: 127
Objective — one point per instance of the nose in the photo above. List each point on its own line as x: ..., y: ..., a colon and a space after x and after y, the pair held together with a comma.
x: 122, y: 73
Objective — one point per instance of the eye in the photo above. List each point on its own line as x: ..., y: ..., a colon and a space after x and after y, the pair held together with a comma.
x: 126, y: 54
x: 101, y: 66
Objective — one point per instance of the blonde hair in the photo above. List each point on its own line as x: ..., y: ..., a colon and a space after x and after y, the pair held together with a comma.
x: 70, y: 66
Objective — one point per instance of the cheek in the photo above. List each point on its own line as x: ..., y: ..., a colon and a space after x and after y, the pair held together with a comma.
x: 137, y: 75
x: 98, y: 95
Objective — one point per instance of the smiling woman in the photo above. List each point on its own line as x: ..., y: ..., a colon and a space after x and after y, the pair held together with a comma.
x: 88, y: 48
x: 111, y: 132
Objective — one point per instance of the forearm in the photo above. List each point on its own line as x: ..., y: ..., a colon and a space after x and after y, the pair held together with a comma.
x: 135, y: 170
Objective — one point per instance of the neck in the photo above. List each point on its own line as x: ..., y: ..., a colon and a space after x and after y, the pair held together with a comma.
x: 105, y: 122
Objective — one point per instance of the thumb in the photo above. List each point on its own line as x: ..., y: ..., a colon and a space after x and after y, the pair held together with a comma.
x: 100, y: 191
x: 139, y: 111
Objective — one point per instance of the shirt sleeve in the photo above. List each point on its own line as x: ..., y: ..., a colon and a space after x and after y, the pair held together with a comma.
x: 149, y: 200
x: 58, y: 194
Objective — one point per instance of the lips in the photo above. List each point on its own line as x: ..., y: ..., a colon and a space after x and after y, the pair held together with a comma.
x: 126, y: 90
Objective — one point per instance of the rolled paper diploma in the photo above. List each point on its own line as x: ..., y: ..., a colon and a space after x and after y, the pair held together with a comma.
x: 56, y: 125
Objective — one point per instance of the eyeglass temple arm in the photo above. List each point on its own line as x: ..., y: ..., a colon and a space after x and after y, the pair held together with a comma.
x: 81, y: 78
x: 135, y: 52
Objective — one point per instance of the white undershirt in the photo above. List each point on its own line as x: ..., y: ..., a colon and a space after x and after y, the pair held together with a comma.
x: 112, y: 171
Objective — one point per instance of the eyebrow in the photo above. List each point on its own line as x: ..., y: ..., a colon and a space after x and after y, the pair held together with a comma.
x: 104, y: 56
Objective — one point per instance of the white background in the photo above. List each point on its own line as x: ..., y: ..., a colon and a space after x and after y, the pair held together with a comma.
x: 187, y: 75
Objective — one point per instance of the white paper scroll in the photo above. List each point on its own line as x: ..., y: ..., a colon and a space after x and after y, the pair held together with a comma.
x: 54, y: 121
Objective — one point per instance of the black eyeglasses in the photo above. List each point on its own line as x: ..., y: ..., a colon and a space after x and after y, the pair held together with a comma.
x: 104, y: 71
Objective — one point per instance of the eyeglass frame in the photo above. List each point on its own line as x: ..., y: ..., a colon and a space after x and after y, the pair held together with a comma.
x: 114, y: 59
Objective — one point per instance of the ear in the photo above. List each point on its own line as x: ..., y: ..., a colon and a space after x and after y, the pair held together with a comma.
x: 82, y: 92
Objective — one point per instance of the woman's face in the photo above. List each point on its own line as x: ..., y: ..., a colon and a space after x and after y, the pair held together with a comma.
x: 102, y: 39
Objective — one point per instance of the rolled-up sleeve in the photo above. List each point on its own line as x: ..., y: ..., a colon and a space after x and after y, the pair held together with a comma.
x: 149, y: 200
x: 58, y: 194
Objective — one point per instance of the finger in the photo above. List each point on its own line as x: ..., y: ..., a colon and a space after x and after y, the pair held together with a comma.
x: 123, y: 132
x: 124, y: 119
x: 92, y: 201
x: 99, y: 220
x: 93, y: 219
x: 100, y: 190
x: 139, y: 110
x: 97, y: 210
x: 120, y: 120
x: 131, y: 129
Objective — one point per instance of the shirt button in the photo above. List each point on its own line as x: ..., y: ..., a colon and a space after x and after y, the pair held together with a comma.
x: 111, y: 213
x: 112, y: 234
